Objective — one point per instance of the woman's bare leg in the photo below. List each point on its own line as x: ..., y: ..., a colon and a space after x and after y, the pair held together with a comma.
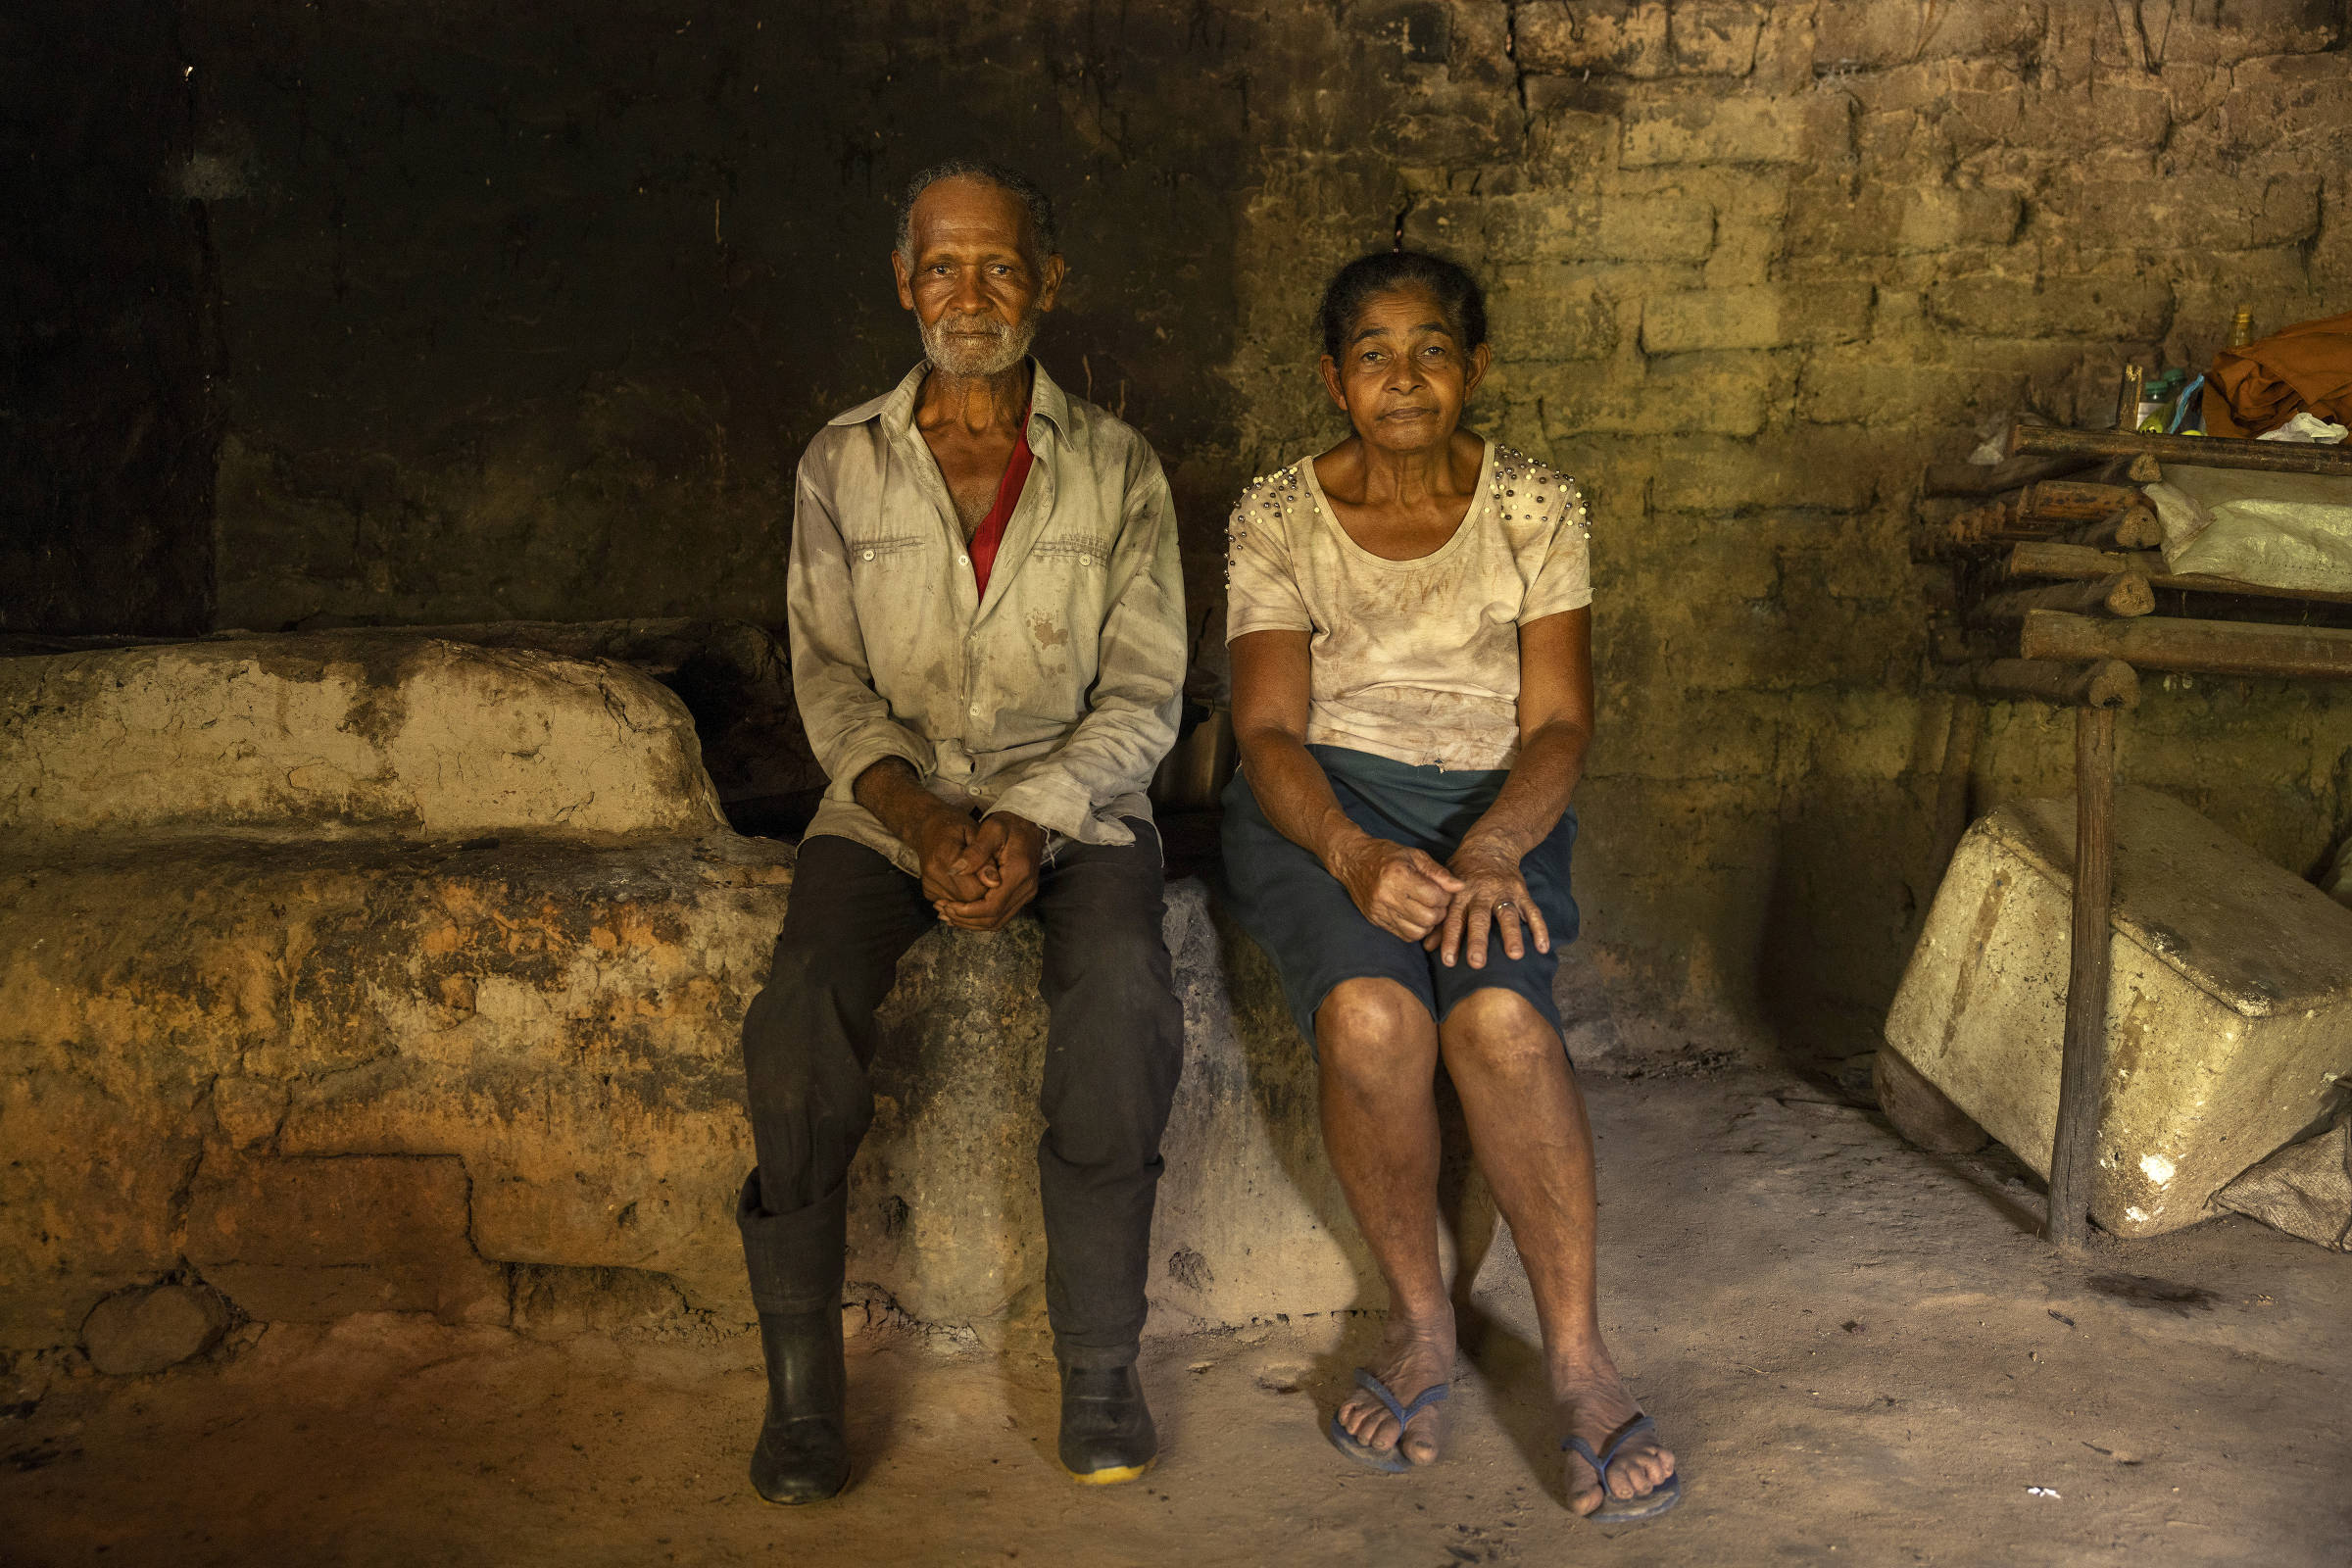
x: 1527, y: 1127
x: 1378, y: 1050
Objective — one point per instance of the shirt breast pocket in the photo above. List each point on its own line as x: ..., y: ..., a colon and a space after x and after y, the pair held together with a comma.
x: 1076, y: 570
x: 883, y: 554
x: 1079, y: 551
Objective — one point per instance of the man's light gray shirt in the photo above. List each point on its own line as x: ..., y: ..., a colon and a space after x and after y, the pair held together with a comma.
x: 1055, y: 695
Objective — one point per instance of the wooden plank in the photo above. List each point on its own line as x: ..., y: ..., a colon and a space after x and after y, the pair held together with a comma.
x: 2049, y: 559
x: 2202, y: 646
x: 2202, y: 451
x: 2083, y: 1057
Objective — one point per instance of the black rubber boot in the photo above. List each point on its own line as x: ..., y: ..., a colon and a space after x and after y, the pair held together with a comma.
x: 1107, y: 1431
x: 803, y: 1451
x: 797, y: 1262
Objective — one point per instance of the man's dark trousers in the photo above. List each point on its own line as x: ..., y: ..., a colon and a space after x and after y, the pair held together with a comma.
x: 1114, y: 1046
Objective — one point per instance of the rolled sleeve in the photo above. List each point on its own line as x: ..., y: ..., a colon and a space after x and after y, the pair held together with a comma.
x: 1052, y: 800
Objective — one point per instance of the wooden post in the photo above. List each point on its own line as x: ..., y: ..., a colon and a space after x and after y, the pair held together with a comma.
x: 1951, y: 788
x: 2082, y: 1068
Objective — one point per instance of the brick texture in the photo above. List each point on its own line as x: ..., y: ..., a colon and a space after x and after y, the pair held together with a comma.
x: 1752, y: 264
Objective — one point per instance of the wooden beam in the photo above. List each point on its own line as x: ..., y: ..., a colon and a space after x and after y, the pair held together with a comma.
x: 2049, y: 559
x: 1982, y: 480
x: 2102, y: 683
x: 2133, y: 527
x: 2122, y: 594
x: 2199, y: 451
x: 2083, y: 1056
x: 2074, y: 501
x: 2043, y: 510
x: 2137, y: 470
x: 2202, y: 646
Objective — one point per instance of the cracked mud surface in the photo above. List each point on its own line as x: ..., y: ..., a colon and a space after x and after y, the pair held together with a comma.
x: 1858, y: 1350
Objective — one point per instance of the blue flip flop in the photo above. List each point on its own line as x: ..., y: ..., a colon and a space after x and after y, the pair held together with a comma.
x: 1616, y: 1510
x: 1391, y: 1460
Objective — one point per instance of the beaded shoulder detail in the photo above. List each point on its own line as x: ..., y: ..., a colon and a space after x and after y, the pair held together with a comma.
x: 1267, y: 499
x: 1525, y: 490
x: 1267, y: 502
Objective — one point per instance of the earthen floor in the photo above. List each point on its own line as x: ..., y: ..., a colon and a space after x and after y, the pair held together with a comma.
x: 1859, y: 1351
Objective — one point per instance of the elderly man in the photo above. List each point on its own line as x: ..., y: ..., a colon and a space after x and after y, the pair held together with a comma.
x: 988, y: 641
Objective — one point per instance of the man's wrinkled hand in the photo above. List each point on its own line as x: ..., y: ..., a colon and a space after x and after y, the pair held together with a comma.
x: 1003, y: 857
x: 1403, y: 892
x: 941, y: 844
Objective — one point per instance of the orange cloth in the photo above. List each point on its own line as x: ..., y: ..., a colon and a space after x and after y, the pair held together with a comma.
x: 2265, y: 384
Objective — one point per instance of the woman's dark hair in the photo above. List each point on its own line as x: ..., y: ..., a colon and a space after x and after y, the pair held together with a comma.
x: 1367, y: 277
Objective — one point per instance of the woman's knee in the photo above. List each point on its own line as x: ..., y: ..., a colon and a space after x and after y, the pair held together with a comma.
x: 1372, y: 1026
x: 1500, y: 1030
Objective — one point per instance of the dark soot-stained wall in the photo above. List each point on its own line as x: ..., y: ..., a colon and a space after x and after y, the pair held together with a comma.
x: 532, y: 310
x: 527, y: 309
x: 106, y: 449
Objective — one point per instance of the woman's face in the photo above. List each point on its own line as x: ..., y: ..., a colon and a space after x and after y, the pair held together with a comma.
x: 1403, y: 376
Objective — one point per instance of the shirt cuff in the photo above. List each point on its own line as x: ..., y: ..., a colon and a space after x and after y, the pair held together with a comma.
x: 880, y: 742
x: 1049, y: 799
x: 1242, y: 626
x: 1558, y: 606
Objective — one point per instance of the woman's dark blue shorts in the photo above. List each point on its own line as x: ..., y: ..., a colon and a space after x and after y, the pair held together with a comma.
x: 1299, y: 912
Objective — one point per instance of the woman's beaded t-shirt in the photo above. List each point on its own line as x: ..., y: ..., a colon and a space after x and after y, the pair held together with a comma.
x: 1418, y: 660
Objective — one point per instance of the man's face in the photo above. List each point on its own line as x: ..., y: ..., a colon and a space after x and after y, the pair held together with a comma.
x: 972, y: 283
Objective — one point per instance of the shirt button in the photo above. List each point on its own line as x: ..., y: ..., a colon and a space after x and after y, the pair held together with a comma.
x: 975, y: 709
x: 964, y: 561
x: 869, y: 555
x: 1086, y: 561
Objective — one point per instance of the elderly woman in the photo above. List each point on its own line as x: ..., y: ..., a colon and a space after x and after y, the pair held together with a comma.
x: 1412, y: 694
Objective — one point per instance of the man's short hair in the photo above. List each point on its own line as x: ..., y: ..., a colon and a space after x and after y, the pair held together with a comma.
x: 1038, y: 206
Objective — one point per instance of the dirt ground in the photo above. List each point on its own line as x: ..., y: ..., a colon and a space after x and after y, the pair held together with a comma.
x: 1859, y: 1351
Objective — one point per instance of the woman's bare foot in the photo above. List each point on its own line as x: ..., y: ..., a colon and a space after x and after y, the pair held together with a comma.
x: 1413, y: 1356
x: 1595, y: 1405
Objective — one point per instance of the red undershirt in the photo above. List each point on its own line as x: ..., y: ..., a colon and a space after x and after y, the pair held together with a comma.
x: 991, y: 533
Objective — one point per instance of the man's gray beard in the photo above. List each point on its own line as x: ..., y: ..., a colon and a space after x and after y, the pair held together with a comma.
x: 962, y: 356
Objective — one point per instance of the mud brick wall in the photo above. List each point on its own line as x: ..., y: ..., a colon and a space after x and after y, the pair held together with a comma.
x: 526, y: 311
